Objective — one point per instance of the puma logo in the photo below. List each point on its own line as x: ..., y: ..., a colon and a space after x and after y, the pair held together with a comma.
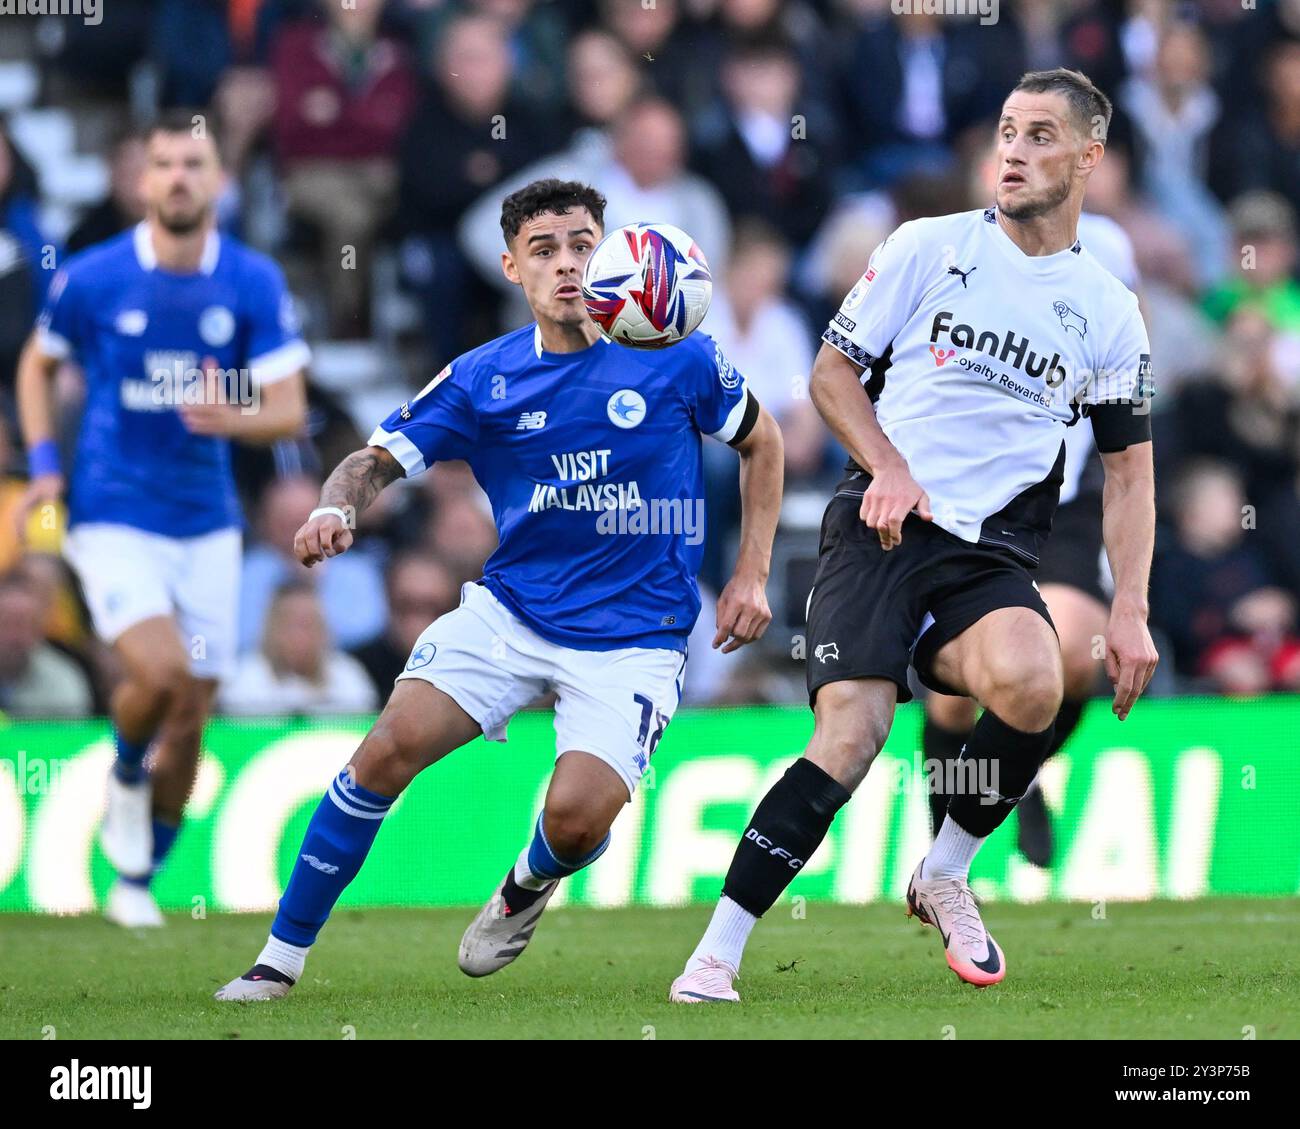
x: 962, y: 274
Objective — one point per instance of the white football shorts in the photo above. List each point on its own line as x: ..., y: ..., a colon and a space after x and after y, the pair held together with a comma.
x: 129, y: 575
x: 614, y: 705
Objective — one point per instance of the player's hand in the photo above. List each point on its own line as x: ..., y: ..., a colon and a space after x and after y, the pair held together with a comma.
x: 43, y: 490
x: 1131, y: 658
x: 210, y: 419
x: 215, y: 415
x: 743, y: 614
x: 892, y: 495
x: 321, y: 537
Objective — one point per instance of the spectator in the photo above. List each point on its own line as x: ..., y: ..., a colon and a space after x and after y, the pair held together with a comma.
x: 1173, y: 114
x: 22, y: 244
x: 1213, y: 595
x: 123, y: 206
x: 654, y: 36
x: 536, y: 36
x: 419, y: 590
x: 344, y: 94
x: 461, y: 535
x: 467, y: 135
x: 642, y: 175
x: 297, y: 670
x: 36, y: 679
x: 1246, y: 413
x: 1264, y: 233
x: 602, y: 80
x: 752, y: 149
x: 351, y: 587
x: 914, y: 82
x: 1258, y: 147
x: 768, y: 340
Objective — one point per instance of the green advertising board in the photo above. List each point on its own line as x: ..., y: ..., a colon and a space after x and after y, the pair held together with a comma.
x: 1188, y: 797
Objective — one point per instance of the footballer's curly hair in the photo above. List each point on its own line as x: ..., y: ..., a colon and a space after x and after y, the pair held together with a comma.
x: 1089, y: 107
x: 551, y: 196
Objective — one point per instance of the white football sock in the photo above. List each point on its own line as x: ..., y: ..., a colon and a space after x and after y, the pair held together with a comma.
x: 284, y: 957
x: 525, y: 878
x: 953, y: 851
x: 725, y: 937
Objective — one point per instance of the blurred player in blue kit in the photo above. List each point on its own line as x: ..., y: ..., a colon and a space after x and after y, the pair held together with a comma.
x: 590, y: 454
x: 186, y: 340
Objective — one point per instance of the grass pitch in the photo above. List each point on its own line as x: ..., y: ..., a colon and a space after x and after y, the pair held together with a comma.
x: 1205, y: 969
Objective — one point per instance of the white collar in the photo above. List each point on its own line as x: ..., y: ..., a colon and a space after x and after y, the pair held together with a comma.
x: 537, y: 340
x: 147, y: 257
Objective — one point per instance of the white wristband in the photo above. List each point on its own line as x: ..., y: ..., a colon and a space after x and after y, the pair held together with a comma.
x: 340, y: 514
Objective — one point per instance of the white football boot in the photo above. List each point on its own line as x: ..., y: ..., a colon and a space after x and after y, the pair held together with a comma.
x: 126, y: 833
x: 261, y: 982
x: 949, y: 905
x: 708, y: 984
x: 496, y: 936
x: 131, y: 906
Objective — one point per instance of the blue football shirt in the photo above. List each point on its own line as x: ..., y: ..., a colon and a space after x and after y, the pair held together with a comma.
x: 141, y: 335
x: 592, y: 463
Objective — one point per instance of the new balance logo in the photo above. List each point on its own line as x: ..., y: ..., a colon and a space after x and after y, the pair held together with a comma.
x: 531, y: 421
x: 323, y: 867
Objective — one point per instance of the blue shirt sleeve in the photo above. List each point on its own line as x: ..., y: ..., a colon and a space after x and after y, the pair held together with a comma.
x: 438, y: 424
x: 718, y: 393
x: 60, y: 328
x: 275, y: 349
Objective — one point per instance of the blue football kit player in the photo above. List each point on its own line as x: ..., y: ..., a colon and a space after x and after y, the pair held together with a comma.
x: 186, y: 340
x: 590, y: 454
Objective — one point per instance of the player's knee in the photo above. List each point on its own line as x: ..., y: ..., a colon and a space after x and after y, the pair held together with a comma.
x: 1026, y: 695
x: 391, y: 755
x: 572, y: 829
x: 1079, y: 669
x: 849, y: 732
x: 166, y: 680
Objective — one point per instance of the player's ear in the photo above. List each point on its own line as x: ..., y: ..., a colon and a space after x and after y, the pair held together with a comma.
x: 1091, y: 157
x: 509, y: 269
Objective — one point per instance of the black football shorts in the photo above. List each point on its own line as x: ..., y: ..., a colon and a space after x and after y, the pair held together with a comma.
x: 1073, y: 554
x: 871, y: 613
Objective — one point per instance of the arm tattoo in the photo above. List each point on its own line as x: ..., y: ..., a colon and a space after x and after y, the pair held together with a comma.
x: 358, y: 479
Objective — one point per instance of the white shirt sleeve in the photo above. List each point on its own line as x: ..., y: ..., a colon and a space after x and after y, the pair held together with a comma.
x: 1125, y: 377
x: 882, y: 300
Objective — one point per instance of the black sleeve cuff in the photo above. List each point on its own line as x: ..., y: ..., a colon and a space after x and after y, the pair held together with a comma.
x: 747, y: 420
x: 1119, y: 425
x: 856, y: 353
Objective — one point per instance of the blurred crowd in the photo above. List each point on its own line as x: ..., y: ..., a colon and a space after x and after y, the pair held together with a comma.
x: 368, y: 146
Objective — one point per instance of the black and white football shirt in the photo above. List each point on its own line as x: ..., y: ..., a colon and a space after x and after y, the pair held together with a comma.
x: 990, y: 355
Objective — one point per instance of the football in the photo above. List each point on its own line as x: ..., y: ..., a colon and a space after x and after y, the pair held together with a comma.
x: 647, y: 285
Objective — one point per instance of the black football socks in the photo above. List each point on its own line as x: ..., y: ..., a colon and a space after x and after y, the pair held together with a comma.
x: 997, y: 767
x: 785, y: 830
